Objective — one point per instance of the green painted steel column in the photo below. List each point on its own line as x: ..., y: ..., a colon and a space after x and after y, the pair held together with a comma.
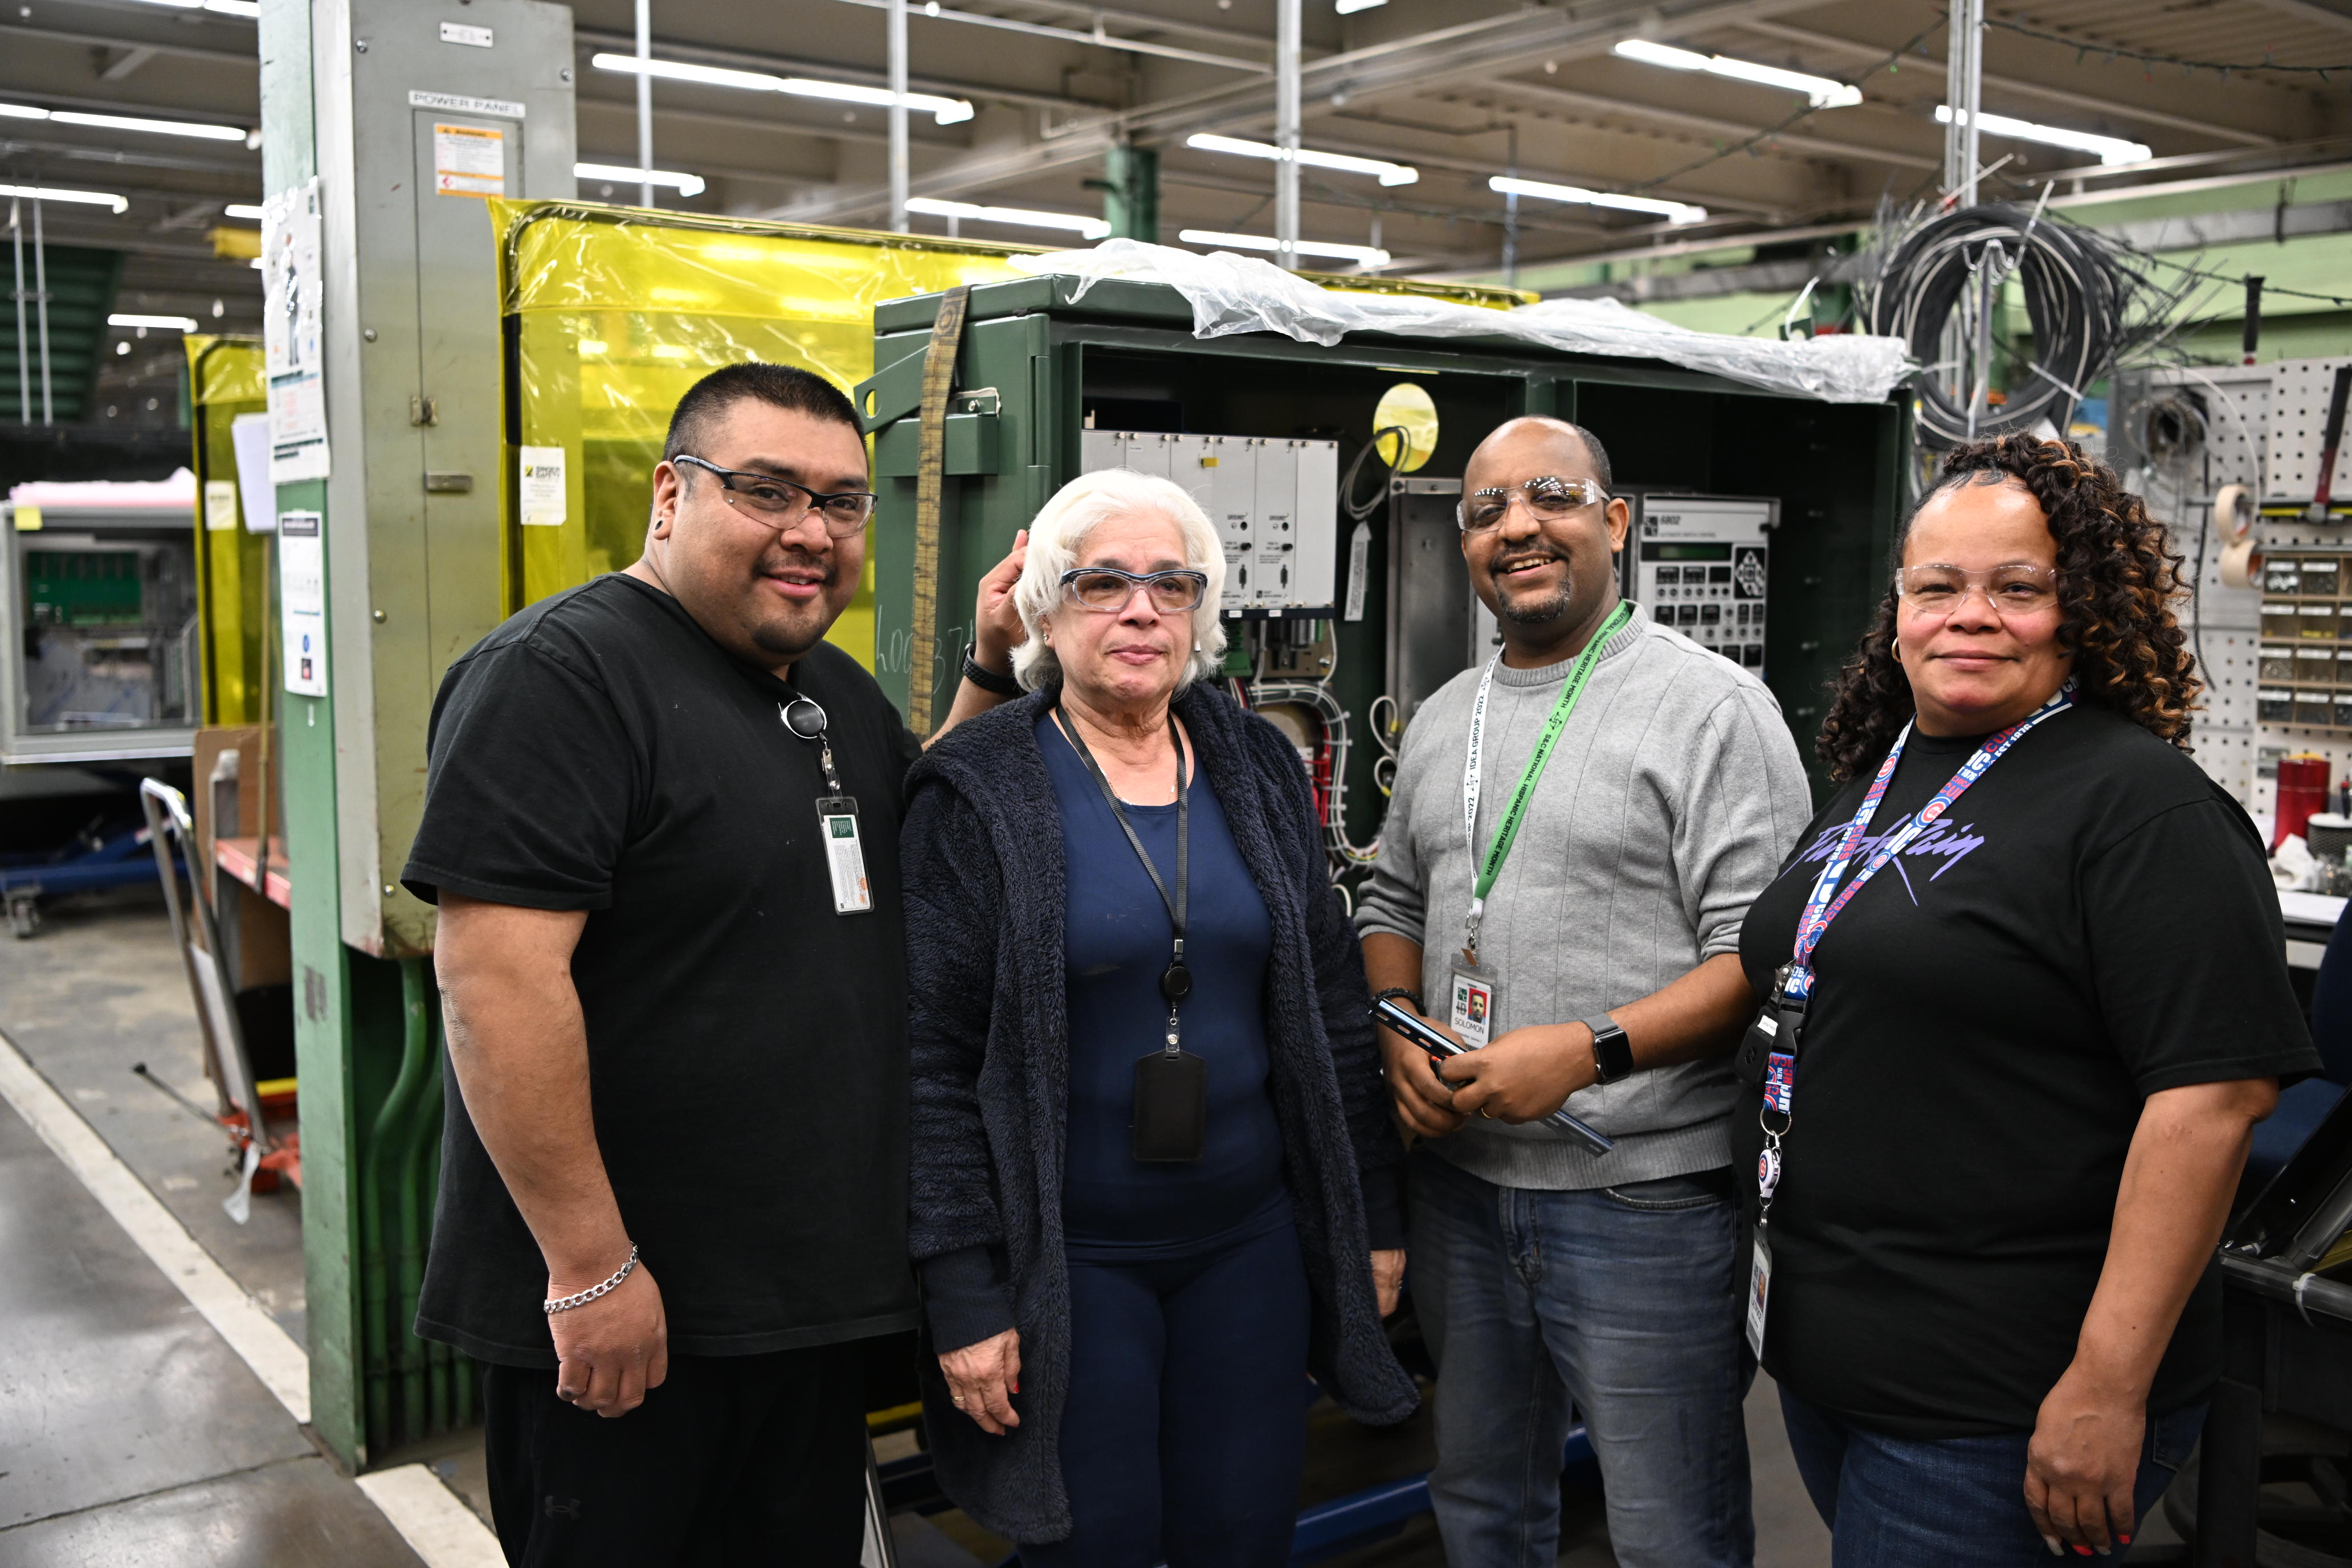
x: 307, y: 752
x: 1131, y: 192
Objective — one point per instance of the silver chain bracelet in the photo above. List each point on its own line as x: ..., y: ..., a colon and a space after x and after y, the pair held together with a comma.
x: 565, y: 1303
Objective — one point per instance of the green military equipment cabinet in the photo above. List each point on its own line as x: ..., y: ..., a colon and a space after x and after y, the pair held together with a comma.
x: 1052, y: 374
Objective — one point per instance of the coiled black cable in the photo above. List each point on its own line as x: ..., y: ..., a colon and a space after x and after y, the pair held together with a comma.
x: 2076, y: 295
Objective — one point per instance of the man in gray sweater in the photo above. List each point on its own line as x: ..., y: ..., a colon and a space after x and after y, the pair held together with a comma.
x: 1588, y: 939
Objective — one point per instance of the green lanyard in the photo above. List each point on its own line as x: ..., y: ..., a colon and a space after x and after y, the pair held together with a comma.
x: 1508, y: 828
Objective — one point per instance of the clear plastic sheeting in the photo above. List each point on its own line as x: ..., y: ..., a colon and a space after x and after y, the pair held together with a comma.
x: 614, y: 312
x: 1232, y: 293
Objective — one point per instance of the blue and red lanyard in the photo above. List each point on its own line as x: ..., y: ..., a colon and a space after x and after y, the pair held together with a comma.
x: 1821, y: 908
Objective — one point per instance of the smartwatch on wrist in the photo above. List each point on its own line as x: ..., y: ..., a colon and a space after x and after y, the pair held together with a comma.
x: 988, y: 680
x: 1613, y: 1053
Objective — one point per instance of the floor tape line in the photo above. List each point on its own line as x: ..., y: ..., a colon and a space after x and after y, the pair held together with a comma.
x: 438, y: 1526
x: 283, y: 1366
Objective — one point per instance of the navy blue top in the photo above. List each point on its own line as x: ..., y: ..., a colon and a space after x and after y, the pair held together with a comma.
x: 1117, y: 946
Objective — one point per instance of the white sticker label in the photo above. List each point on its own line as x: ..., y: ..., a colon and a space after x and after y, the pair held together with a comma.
x: 220, y: 505
x: 541, y: 486
x: 1759, y: 1295
x: 459, y: 103
x: 469, y: 161
x: 1359, y: 558
x: 848, y: 859
x: 459, y: 33
x: 303, y: 590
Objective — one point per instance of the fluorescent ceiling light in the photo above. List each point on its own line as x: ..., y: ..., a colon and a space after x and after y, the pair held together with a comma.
x: 1362, y: 255
x: 1390, y: 173
x: 176, y: 323
x: 1348, y: 7
x: 1672, y: 212
x: 124, y: 122
x: 946, y: 111
x: 219, y: 7
x: 2110, y: 149
x: 622, y: 174
x: 1825, y: 93
x: 53, y: 194
x: 1091, y: 228
x: 242, y: 209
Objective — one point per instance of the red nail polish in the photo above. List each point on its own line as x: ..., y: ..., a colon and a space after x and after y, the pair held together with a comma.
x: 2124, y: 1540
x: 2082, y: 1552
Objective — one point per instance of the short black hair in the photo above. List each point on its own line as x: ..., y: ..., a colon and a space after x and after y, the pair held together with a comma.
x: 777, y: 385
x: 1600, y: 455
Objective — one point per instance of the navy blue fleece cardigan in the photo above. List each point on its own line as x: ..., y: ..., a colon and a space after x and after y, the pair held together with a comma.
x: 981, y: 852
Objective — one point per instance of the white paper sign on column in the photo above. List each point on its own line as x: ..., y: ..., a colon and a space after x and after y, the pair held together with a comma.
x: 302, y: 602
x: 541, y: 483
x: 292, y: 285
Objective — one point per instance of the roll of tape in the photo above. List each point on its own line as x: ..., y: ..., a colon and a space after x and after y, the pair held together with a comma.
x: 2239, y: 561
x: 2233, y: 512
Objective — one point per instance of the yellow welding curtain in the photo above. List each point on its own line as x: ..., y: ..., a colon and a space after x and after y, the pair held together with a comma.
x: 611, y: 313
x: 225, y: 380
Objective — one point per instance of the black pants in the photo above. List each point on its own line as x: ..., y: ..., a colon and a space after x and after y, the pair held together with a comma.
x: 732, y: 1460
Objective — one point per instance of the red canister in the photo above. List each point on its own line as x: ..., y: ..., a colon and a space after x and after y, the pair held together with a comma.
x: 2302, y: 794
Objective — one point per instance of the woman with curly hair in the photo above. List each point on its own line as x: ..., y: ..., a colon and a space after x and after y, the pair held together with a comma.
x: 2025, y: 998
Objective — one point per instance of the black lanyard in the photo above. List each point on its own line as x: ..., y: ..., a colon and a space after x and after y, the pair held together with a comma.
x: 1176, y: 982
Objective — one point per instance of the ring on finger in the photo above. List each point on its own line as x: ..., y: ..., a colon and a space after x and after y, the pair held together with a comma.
x: 957, y: 1400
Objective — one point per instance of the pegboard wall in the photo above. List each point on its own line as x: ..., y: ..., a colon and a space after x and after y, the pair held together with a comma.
x: 2300, y: 390
x: 2178, y: 436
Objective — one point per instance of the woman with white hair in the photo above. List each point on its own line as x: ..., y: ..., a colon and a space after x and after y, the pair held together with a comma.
x: 1153, y: 1181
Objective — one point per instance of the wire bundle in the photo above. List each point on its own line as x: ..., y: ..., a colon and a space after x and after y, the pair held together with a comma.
x: 2078, y: 292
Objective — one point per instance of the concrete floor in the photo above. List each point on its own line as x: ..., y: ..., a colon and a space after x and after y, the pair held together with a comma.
x: 130, y: 1434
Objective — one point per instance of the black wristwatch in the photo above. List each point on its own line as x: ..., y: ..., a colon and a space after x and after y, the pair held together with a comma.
x: 1394, y: 992
x: 988, y: 680
x: 1613, y: 1053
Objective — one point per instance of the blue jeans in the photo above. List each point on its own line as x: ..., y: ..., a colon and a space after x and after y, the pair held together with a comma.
x: 1185, y: 1434
x: 1947, y: 1502
x: 1623, y: 1305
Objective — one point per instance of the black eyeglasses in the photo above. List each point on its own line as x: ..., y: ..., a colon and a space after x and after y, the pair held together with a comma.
x: 1108, y: 590
x: 780, y: 504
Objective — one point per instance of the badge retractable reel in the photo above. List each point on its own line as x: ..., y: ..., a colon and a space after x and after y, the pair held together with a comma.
x: 837, y: 814
x: 1172, y: 1084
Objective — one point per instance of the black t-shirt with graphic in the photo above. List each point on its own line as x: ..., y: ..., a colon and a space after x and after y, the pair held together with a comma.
x: 2089, y: 923
x: 747, y: 1046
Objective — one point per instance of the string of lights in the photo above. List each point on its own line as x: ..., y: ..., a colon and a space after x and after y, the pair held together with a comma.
x: 2083, y: 51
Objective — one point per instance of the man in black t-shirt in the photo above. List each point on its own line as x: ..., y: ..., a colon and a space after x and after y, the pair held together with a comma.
x: 661, y: 822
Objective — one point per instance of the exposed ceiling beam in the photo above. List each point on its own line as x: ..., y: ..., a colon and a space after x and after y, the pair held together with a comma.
x: 1408, y: 64
x: 2021, y: 88
x: 1478, y: 169
x: 1099, y: 38
x: 46, y: 98
x: 117, y: 158
x: 2308, y: 11
x: 1700, y: 124
x: 1228, y: 36
x: 249, y: 56
x: 129, y: 60
x: 864, y: 130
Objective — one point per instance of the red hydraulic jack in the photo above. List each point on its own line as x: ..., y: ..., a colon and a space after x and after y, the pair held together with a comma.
x: 245, y: 1106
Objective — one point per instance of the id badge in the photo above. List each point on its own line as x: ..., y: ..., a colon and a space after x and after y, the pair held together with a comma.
x: 1172, y: 1106
x: 844, y: 855
x: 1760, y: 1293
x: 1476, y: 997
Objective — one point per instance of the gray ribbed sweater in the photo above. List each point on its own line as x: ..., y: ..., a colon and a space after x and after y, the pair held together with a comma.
x: 1668, y: 804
